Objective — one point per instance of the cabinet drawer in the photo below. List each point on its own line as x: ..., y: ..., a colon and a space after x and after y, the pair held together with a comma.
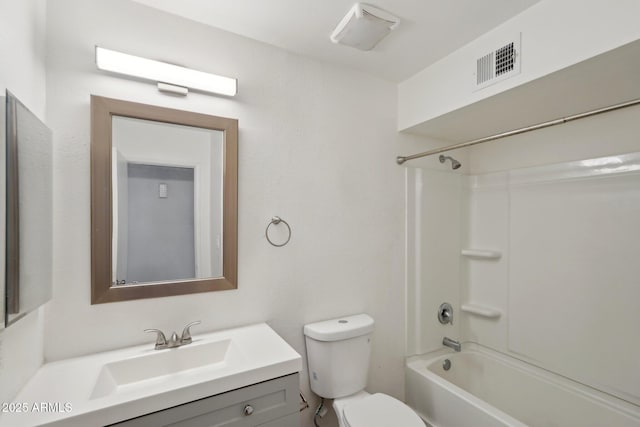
x: 268, y: 401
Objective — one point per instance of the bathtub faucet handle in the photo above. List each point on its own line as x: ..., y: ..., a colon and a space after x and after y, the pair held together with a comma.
x: 445, y: 313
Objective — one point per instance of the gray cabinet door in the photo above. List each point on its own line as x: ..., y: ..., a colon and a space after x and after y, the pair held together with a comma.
x: 270, y: 403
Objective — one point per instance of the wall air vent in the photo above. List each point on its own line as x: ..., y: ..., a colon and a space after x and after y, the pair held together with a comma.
x: 505, y: 59
x: 499, y: 64
x: 485, y: 67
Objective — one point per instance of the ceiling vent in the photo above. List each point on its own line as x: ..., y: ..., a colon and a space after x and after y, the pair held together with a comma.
x: 499, y: 64
x: 364, y: 26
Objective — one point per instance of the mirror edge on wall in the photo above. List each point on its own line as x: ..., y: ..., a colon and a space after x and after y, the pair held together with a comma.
x: 3, y: 206
x: 26, y: 194
x: 102, y: 111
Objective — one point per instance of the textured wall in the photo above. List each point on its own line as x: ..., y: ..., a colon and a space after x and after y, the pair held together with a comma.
x: 22, y: 49
x: 317, y: 147
x: 555, y: 35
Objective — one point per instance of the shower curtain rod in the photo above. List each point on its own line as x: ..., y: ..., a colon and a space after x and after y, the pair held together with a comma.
x: 401, y: 159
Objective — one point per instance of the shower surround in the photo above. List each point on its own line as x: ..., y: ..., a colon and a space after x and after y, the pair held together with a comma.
x: 539, y: 264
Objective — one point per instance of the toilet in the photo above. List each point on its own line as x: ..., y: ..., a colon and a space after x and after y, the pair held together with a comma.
x: 338, y: 353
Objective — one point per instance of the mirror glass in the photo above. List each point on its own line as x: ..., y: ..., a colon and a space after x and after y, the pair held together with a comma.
x: 27, y: 215
x: 164, y: 201
x: 167, y: 201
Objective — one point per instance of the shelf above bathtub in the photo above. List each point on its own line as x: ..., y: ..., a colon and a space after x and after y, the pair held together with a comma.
x: 481, y: 310
x: 481, y: 253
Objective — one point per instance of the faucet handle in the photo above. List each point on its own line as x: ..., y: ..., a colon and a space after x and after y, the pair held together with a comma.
x: 161, y: 340
x: 186, y: 333
x: 445, y: 313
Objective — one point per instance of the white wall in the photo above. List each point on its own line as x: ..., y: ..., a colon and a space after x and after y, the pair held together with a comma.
x: 597, y: 136
x: 22, y: 49
x: 317, y: 147
x: 555, y: 35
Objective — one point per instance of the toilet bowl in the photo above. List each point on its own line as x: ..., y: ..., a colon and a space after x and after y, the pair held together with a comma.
x: 338, y: 352
x: 374, y: 410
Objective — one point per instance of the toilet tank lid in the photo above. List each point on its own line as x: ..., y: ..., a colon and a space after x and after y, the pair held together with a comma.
x: 340, y: 328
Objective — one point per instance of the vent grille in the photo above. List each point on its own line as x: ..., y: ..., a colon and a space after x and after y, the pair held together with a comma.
x: 505, y: 59
x: 499, y: 64
x: 484, y: 71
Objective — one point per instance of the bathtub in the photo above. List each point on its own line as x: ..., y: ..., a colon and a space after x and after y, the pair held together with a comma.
x: 484, y: 388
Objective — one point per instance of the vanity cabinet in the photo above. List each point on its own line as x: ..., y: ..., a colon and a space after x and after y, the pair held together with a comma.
x: 272, y: 403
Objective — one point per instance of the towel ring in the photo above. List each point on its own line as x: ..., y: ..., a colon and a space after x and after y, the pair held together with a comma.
x: 277, y: 220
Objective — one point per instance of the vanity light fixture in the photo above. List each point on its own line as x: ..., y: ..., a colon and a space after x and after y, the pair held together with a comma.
x: 170, y: 78
x: 364, y: 26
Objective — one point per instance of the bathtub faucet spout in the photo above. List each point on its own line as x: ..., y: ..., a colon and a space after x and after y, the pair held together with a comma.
x: 448, y: 342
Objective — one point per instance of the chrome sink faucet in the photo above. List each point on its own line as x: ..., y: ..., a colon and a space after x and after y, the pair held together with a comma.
x: 174, y: 341
x: 448, y: 342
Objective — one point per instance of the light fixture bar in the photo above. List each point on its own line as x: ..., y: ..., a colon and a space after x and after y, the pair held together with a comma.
x: 122, y: 63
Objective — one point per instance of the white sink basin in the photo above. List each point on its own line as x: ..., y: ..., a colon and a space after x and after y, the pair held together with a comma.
x: 110, y: 387
x: 125, y: 374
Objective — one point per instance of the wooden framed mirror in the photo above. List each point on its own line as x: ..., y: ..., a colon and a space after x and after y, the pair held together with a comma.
x: 164, y: 197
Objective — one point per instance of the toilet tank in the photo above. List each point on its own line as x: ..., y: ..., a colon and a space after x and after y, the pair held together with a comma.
x: 338, y: 353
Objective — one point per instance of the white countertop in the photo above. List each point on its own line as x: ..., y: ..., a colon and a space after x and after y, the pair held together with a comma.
x: 62, y: 393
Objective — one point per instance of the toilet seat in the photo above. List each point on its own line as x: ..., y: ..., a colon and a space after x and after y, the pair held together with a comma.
x: 380, y: 410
